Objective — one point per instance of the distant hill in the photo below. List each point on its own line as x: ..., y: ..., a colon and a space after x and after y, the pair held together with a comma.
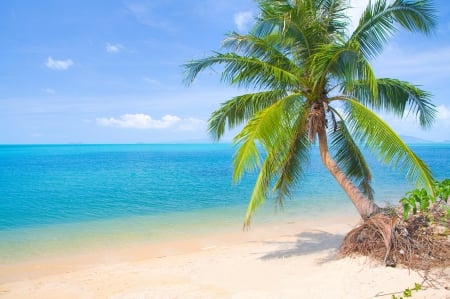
x: 411, y: 139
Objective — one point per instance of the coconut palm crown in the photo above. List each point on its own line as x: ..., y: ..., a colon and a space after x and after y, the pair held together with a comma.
x: 310, y: 80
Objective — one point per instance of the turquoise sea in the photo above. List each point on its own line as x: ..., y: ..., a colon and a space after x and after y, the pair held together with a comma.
x: 63, y: 198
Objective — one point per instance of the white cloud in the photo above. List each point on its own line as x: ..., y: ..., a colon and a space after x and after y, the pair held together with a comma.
x: 144, y: 121
x: 151, y: 81
x: 58, y: 65
x: 49, y: 90
x: 113, y: 48
x: 443, y: 113
x: 242, y: 19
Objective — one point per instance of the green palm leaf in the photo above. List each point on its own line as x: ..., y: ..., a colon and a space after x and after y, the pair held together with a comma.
x: 350, y: 159
x: 258, y: 129
x: 333, y: 14
x: 243, y: 71
x: 248, y: 157
x: 285, y: 155
x: 270, y: 49
x: 398, y: 97
x: 292, y: 153
x: 240, y: 109
x: 345, y: 63
x: 379, y: 22
x: 369, y: 129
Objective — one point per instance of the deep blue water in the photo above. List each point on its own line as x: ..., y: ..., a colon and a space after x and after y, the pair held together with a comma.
x: 46, y: 186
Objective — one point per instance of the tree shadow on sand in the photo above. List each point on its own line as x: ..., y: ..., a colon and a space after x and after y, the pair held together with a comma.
x: 307, y: 243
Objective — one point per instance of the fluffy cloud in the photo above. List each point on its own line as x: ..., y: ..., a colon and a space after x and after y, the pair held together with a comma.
x: 242, y: 19
x: 59, y: 65
x: 113, y: 48
x: 144, y: 121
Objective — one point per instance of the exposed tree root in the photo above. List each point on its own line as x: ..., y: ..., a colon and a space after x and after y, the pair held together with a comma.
x: 420, y: 242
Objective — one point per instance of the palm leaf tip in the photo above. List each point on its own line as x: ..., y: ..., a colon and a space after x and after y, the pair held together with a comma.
x: 190, y: 71
x: 419, y: 15
x: 381, y: 20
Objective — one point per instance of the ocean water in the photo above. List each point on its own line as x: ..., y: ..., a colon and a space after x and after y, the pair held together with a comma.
x: 62, y: 198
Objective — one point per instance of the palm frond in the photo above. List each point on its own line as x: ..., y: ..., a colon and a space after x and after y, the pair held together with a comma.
x: 350, y: 158
x: 257, y: 129
x: 399, y: 97
x: 416, y: 15
x: 260, y: 190
x: 379, y: 21
x: 248, y: 157
x: 344, y: 63
x: 243, y: 71
x: 303, y: 24
x: 367, y: 128
x: 285, y: 155
x: 270, y: 13
x: 270, y: 49
x: 333, y: 14
x: 240, y: 109
x: 292, y: 155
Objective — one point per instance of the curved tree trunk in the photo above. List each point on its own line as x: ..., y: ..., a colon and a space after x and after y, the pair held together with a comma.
x: 363, y: 204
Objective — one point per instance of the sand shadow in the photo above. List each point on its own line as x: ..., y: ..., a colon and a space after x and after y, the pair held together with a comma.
x: 307, y: 243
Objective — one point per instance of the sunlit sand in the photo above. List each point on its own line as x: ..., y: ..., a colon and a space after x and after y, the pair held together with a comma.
x: 286, y: 260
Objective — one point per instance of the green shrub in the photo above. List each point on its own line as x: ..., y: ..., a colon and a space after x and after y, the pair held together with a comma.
x: 442, y: 189
x: 419, y: 199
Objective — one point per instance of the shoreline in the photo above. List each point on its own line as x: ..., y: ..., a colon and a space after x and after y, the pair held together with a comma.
x: 137, y: 249
x: 290, y: 259
x: 37, y: 242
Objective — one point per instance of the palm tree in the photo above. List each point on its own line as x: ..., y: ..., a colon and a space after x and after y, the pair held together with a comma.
x: 312, y: 80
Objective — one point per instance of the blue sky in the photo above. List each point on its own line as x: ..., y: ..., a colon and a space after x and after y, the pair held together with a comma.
x: 109, y: 71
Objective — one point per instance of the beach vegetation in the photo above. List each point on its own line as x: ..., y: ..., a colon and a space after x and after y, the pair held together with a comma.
x: 418, y: 240
x: 419, y: 200
x: 408, y: 292
x: 310, y: 81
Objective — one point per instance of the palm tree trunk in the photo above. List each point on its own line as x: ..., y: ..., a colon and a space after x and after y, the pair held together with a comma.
x: 363, y: 204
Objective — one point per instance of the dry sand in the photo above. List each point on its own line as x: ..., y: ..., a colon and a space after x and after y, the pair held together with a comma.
x: 290, y: 260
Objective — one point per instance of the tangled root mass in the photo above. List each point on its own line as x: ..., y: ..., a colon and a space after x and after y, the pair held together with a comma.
x: 419, y: 242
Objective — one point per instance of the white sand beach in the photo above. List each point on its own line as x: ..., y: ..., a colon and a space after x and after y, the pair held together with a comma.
x: 290, y: 260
